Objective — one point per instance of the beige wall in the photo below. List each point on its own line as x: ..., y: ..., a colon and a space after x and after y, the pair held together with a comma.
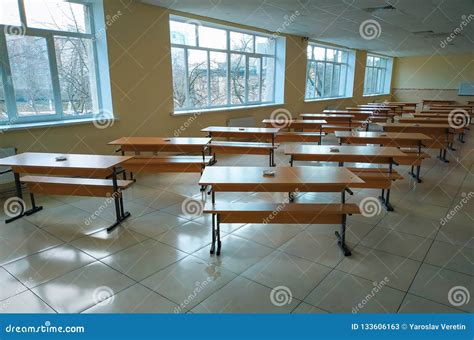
x: 140, y: 70
x: 432, y: 77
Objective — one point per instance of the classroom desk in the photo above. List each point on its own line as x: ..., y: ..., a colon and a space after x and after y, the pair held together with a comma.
x: 435, y: 131
x: 424, y: 120
x: 348, y: 112
x: 74, y: 165
x: 162, y: 144
x: 437, y: 101
x: 296, y: 124
x: 255, y: 133
x: 242, y: 132
x: 286, y: 179
x: 369, y: 108
x: 352, y: 154
x: 394, y: 139
x: 330, y: 118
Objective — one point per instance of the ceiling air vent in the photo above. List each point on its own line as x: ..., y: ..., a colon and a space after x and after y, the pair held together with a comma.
x: 432, y: 34
x: 389, y: 9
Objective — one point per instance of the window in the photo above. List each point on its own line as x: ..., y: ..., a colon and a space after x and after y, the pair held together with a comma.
x: 50, y: 57
x: 330, y: 72
x: 378, y: 73
x: 218, y: 67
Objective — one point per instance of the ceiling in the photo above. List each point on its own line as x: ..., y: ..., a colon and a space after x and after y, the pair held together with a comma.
x: 402, y: 28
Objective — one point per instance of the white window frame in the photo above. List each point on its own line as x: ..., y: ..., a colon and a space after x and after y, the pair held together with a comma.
x: 348, y: 74
x: 378, y: 86
x: 102, y: 85
x: 278, y: 69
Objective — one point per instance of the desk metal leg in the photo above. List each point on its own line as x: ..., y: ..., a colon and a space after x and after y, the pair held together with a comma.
x: 218, y: 231
x: 121, y: 215
x: 342, y: 236
x: 21, y: 202
x: 213, y: 216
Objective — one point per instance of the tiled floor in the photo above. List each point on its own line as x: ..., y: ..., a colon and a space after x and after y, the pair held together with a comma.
x: 404, y: 261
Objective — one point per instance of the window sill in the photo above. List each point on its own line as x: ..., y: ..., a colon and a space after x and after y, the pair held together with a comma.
x: 25, y: 126
x: 221, y: 109
x: 323, y: 99
x: 376, y: 94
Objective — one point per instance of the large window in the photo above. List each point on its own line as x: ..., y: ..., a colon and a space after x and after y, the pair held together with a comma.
x: 218, y: 67
x: 329, y: 72
x: 378, y: 72
x: 49, y: 61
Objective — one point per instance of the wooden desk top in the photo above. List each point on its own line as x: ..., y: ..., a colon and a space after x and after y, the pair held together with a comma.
x: 215, y: 175
x: 73, y: 161
x: 368, y: 108
x: 293, y: 121
x: 424, y: 119
x: 380, y: 105
x: 353, y: 112
x: 382, y: 135
x: 344, y: 150
x: 326, y: 115
x: 252, y: 130
x: 437, y: 101
x: 416, y: 125
x: 158, y: 141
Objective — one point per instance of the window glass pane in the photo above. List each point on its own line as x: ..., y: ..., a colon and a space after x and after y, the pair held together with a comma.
x: 268, y: 79
x: 265, y: 45
x: 57, y: 15
x: 183, y: 33
x: 241, y: 42
x: 309, y: 52
x: 328, y: 80
x: 212, y: 37
x: 319, y: 53
x: 197, y: 78
x: 370, y: 61
x: 335, y: 81
x: 9, y: 14
x: 311, y: 80
x: 76, y: 71
x: 342, y: 84
x: 31, y: 75
x: 319, y: 79
x: 178, y: 65
x: 254, y: 80
x: 368, y: 79
x: 218, y: 73
x: 380, y: 81
x: 237, y: 78
x: 3, y: 106
x: 374, y: 80
x: 331, y: 54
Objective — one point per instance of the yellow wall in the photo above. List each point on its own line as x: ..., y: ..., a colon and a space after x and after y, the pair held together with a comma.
x: 432, y: 77
x: 140, y: 70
